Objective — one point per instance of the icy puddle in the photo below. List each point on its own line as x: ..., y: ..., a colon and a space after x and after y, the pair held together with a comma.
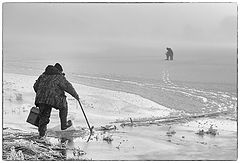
x: 167, y: 142
x: 162, y: 141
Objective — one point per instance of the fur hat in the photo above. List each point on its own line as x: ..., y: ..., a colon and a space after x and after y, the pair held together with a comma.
x: 59, y: 67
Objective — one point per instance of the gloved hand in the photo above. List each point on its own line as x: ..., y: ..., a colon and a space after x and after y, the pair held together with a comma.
x: 77, y: 98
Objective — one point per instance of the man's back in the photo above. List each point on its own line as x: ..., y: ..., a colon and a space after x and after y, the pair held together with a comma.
x: 50, y: 87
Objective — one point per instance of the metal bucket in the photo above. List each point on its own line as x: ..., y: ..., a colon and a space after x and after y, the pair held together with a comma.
x: 33, y: 117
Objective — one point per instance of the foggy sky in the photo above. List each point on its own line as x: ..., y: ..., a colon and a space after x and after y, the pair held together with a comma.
x: 39, y: 29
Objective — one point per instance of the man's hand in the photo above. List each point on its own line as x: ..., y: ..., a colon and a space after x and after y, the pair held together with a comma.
x: 77, y: 98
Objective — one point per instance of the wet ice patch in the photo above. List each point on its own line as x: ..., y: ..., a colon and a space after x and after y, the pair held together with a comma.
x: 219, y: 124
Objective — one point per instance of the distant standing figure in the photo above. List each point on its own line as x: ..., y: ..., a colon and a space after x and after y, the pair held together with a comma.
x: 169, y: 54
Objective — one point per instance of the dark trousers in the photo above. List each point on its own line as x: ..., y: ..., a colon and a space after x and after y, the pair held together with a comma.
x: 167, y: 57
x: 63, y: 116
x: 44, y: 117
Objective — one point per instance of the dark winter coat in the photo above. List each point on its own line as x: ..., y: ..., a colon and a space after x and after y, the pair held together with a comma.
x: 50, y: 87
x: 169, y: 52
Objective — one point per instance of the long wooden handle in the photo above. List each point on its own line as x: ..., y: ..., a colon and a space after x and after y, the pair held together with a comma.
x: 85, y: 116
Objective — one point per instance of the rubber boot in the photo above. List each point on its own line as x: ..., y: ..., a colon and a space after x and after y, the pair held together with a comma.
x: 63, y: 118
x: 42, y: 130
x: 42, y: 134
x: 65, y: 125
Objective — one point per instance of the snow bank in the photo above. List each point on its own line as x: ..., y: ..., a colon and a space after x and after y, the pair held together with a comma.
x: 100, y: 105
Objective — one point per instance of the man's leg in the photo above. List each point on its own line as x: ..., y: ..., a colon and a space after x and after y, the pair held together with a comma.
x: 63, y: 118
x: 167, y: 57
x: 44, y: 115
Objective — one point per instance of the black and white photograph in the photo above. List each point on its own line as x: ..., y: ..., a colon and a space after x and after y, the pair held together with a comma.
x: 119, y: 81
